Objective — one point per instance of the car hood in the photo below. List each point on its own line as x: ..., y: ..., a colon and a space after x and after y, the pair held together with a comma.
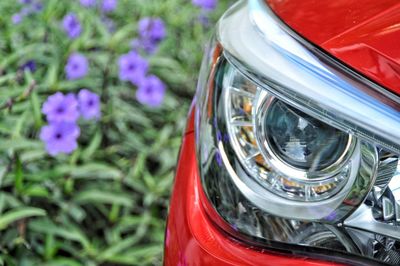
x: 364, y: 34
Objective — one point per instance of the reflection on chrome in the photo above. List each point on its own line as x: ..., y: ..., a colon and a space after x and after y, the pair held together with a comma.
x: 381, y: 211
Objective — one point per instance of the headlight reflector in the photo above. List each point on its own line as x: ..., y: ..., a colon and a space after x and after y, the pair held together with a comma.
x: 300, y: 140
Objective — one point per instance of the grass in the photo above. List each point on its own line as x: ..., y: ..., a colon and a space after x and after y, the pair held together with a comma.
x: 106, y: 203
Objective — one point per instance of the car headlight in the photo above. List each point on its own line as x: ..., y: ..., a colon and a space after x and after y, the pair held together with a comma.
x: 290, y: 153
x: 284, y: 162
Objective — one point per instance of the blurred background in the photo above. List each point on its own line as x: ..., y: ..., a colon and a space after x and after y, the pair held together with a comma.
x: 93, y: 102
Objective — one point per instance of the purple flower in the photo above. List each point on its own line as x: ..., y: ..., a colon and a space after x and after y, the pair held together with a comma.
x: 16, y: 18
x: 60, y: 137
x: 205, y: 4
x: 204, y: 19
x: 88, y: 3
x: 152, y: 29
x: 132, y: 67
x: 146, y: 45
x: 37, y: 6
x: 26, y: 11
x: 61, y: 108
x: 151, y: 91
x: 109, y: 5
x: 151, y: 33
x: 89, y: 104
x: 29, y: 65
x: 77, y: 66
x: 72, y: 26
x: 30, y: 7
x: 218, y: 158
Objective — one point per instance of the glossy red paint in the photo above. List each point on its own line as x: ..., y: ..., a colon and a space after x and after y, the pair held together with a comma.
x: 364, y: 34
x: 190, y: 121
x: 192, y: 239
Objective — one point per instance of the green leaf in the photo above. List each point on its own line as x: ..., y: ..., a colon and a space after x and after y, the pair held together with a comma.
x: 36, y: 191
x: 128, y: 242
x: 50, y: 247
x: 19, y: 175
x: 35, y: 105
x: 91, y: 171
x: 93, y: 146
x: 32, y: 155
x: 20, y: 144
x: 17, y: 214
x: 62, y: 262
x: 52, y: 74
x: 70, y: 233
x: 99, y: 196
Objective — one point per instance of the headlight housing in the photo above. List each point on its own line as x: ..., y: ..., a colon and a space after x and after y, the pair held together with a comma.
x: 289, y: 169
x: 279, y: 161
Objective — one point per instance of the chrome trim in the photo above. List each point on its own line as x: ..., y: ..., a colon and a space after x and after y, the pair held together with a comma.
x: 342, y: 170
x: 306, y: 77
x: 363, y: 219
x: 265, y: 101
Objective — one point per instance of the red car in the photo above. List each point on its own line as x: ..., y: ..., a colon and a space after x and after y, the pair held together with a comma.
x: 291, y: 153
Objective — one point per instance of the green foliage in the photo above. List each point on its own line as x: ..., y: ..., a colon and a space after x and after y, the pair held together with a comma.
x: 106, y: 203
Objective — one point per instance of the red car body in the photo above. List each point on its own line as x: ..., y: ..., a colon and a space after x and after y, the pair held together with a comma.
x: 364, y: 36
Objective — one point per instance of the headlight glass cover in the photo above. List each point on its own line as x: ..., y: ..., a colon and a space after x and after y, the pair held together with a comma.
x: 280, y: 170
x: 290, y: 153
